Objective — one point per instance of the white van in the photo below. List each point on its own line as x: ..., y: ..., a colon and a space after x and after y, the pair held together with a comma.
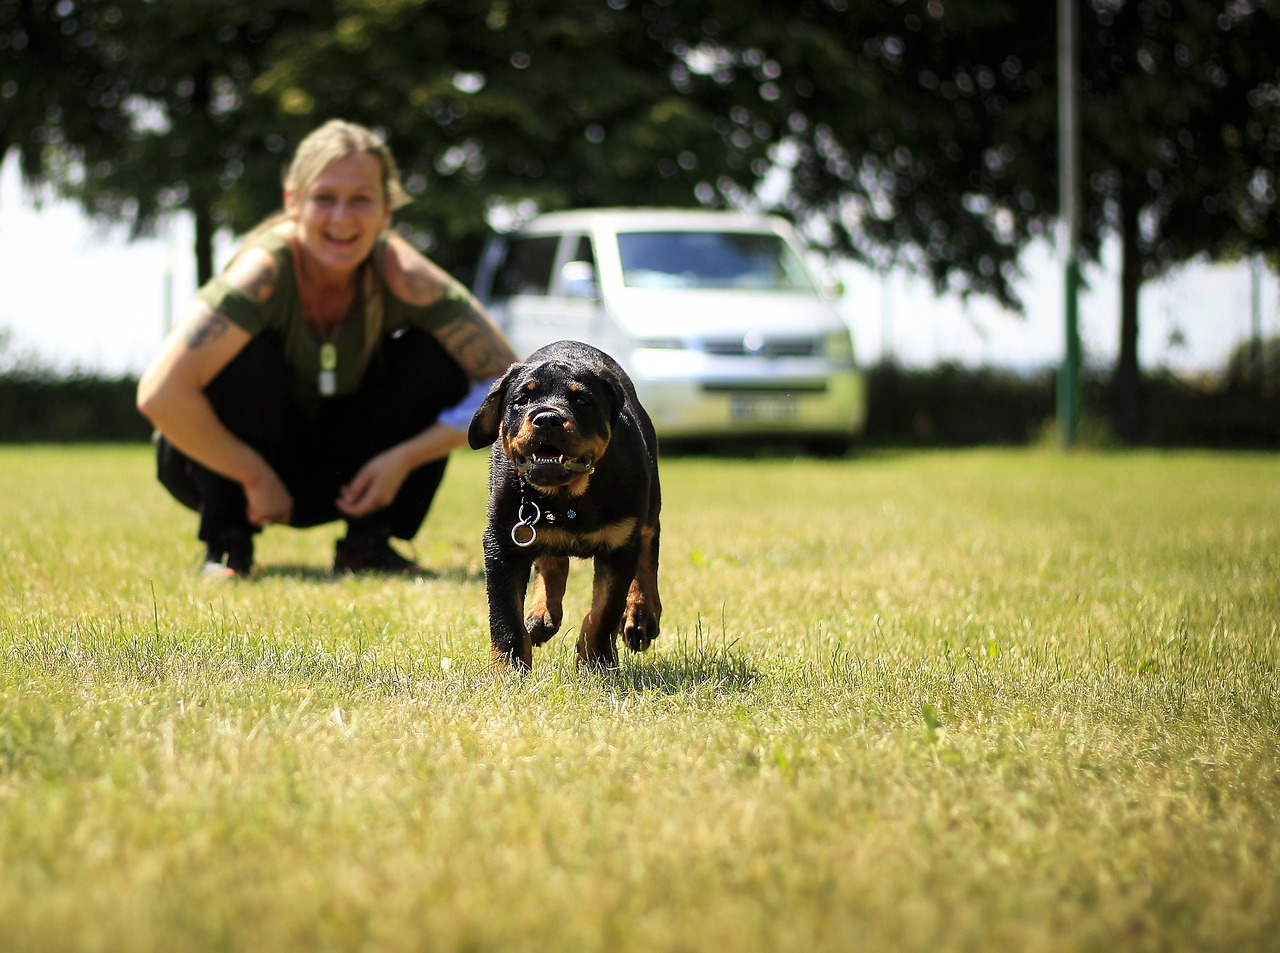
x: 713, y: 314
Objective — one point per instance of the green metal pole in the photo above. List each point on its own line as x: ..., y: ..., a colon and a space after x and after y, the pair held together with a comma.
x: 1069, y: 375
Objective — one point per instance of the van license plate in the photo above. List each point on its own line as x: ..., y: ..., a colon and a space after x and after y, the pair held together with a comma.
x: 762, y: 409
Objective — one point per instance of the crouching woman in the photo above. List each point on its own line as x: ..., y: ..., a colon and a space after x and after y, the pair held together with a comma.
x: 325, y: 375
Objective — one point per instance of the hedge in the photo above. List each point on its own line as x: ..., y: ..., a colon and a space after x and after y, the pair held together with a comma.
x: 946, y: 406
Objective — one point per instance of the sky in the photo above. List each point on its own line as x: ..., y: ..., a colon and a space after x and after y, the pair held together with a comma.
x: 78, y: 296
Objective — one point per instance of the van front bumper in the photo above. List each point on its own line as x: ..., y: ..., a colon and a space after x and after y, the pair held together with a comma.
x: 691, y: 395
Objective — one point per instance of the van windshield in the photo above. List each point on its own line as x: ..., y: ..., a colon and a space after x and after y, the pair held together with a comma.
x: 738, y: 260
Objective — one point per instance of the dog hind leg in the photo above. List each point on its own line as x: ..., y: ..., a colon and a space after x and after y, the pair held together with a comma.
x: 597, y: 642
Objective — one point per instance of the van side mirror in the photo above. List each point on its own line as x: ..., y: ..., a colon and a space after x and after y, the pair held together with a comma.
x: 578, y: 280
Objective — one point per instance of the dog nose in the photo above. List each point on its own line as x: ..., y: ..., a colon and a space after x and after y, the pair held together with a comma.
x: 547, y: 418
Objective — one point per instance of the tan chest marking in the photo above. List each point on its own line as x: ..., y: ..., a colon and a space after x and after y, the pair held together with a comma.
x: 613, y: 536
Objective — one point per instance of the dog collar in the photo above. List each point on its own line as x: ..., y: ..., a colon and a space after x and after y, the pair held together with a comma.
x: 525, y: 532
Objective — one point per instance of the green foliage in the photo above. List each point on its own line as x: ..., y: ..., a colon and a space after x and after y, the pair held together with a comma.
x: 40, y: 403
x: 946, y: 407
x: 909, y: 128
x: 1255, y: 366
x: 75, y: 409
x: 915, y: 133
x: 49, y: 97
x: 533, y: 104
x: 943, y: 701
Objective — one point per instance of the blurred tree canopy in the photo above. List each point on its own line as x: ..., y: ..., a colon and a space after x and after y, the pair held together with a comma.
x: 917, y: 133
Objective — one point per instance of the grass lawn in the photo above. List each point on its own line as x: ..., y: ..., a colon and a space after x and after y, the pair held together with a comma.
x: 987, y: 700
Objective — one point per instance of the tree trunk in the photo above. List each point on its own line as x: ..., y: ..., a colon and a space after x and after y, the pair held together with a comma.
x: 1127, y: 383
x: 202, y: 192
x: 204, y: 238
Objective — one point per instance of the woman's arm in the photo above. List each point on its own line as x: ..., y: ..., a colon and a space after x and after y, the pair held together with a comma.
x: 171, y: 394
x: 472, y: 338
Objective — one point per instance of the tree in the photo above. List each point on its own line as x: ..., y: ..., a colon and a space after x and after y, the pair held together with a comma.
x: 200, y: 137
x: 927, y: 132
x: 901, y: 143
x: 524, y: 103
x: 917, y: 133
x: 513, y: 105
x: 1182, y: 132
x: 52, y: 92
x: 140, y: 109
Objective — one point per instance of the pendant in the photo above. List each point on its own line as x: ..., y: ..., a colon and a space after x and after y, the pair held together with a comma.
x: 328, y: 381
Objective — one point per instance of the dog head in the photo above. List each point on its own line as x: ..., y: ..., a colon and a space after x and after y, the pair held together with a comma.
x: 554, y: 419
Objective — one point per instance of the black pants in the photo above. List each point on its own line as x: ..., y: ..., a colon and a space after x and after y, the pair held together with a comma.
x: 410, y: 381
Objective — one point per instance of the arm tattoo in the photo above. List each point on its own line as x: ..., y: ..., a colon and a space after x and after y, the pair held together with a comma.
x: 208, y: 328
x: 263, y: 284
x: 475, y: 345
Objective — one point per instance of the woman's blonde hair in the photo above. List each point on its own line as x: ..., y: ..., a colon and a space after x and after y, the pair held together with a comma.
x: 337, y: 139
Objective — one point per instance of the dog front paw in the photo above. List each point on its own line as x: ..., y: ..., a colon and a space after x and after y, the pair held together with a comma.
x: 541, y: 626
x: 639, y: 626
x: 513, y: 658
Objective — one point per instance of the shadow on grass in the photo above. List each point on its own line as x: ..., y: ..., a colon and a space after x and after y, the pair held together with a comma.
x: 688, y: 663
x: 318, y: 574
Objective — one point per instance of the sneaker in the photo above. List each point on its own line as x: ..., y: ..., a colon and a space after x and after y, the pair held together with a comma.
x: 229, y: 558
x: 356, y: 554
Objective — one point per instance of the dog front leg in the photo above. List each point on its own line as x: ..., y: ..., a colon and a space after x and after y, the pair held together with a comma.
x: 506, y: 579
x: 546, y: 609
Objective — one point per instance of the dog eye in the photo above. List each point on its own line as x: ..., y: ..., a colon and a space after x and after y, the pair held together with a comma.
x: 582, y: 399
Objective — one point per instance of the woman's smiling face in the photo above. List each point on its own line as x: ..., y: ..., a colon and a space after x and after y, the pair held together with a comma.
x: 342, y: 212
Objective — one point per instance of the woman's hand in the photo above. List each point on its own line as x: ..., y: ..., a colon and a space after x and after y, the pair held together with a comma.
x: 375, y: 485
x: 269, y: 500
x: 379, y: 480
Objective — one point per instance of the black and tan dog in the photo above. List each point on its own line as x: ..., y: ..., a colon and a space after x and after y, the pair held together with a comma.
x: 574, y: 472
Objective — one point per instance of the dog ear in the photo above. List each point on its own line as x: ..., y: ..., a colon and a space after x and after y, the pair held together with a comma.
x: 488, y: 418
x: 619, y: 396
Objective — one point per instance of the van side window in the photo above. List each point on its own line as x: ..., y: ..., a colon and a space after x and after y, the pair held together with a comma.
x: 526, y: 270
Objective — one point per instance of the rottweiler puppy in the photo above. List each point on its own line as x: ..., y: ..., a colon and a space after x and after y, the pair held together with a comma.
x: 573, y: 472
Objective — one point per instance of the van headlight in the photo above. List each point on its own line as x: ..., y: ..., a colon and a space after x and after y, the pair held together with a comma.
x: 838, y: 347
